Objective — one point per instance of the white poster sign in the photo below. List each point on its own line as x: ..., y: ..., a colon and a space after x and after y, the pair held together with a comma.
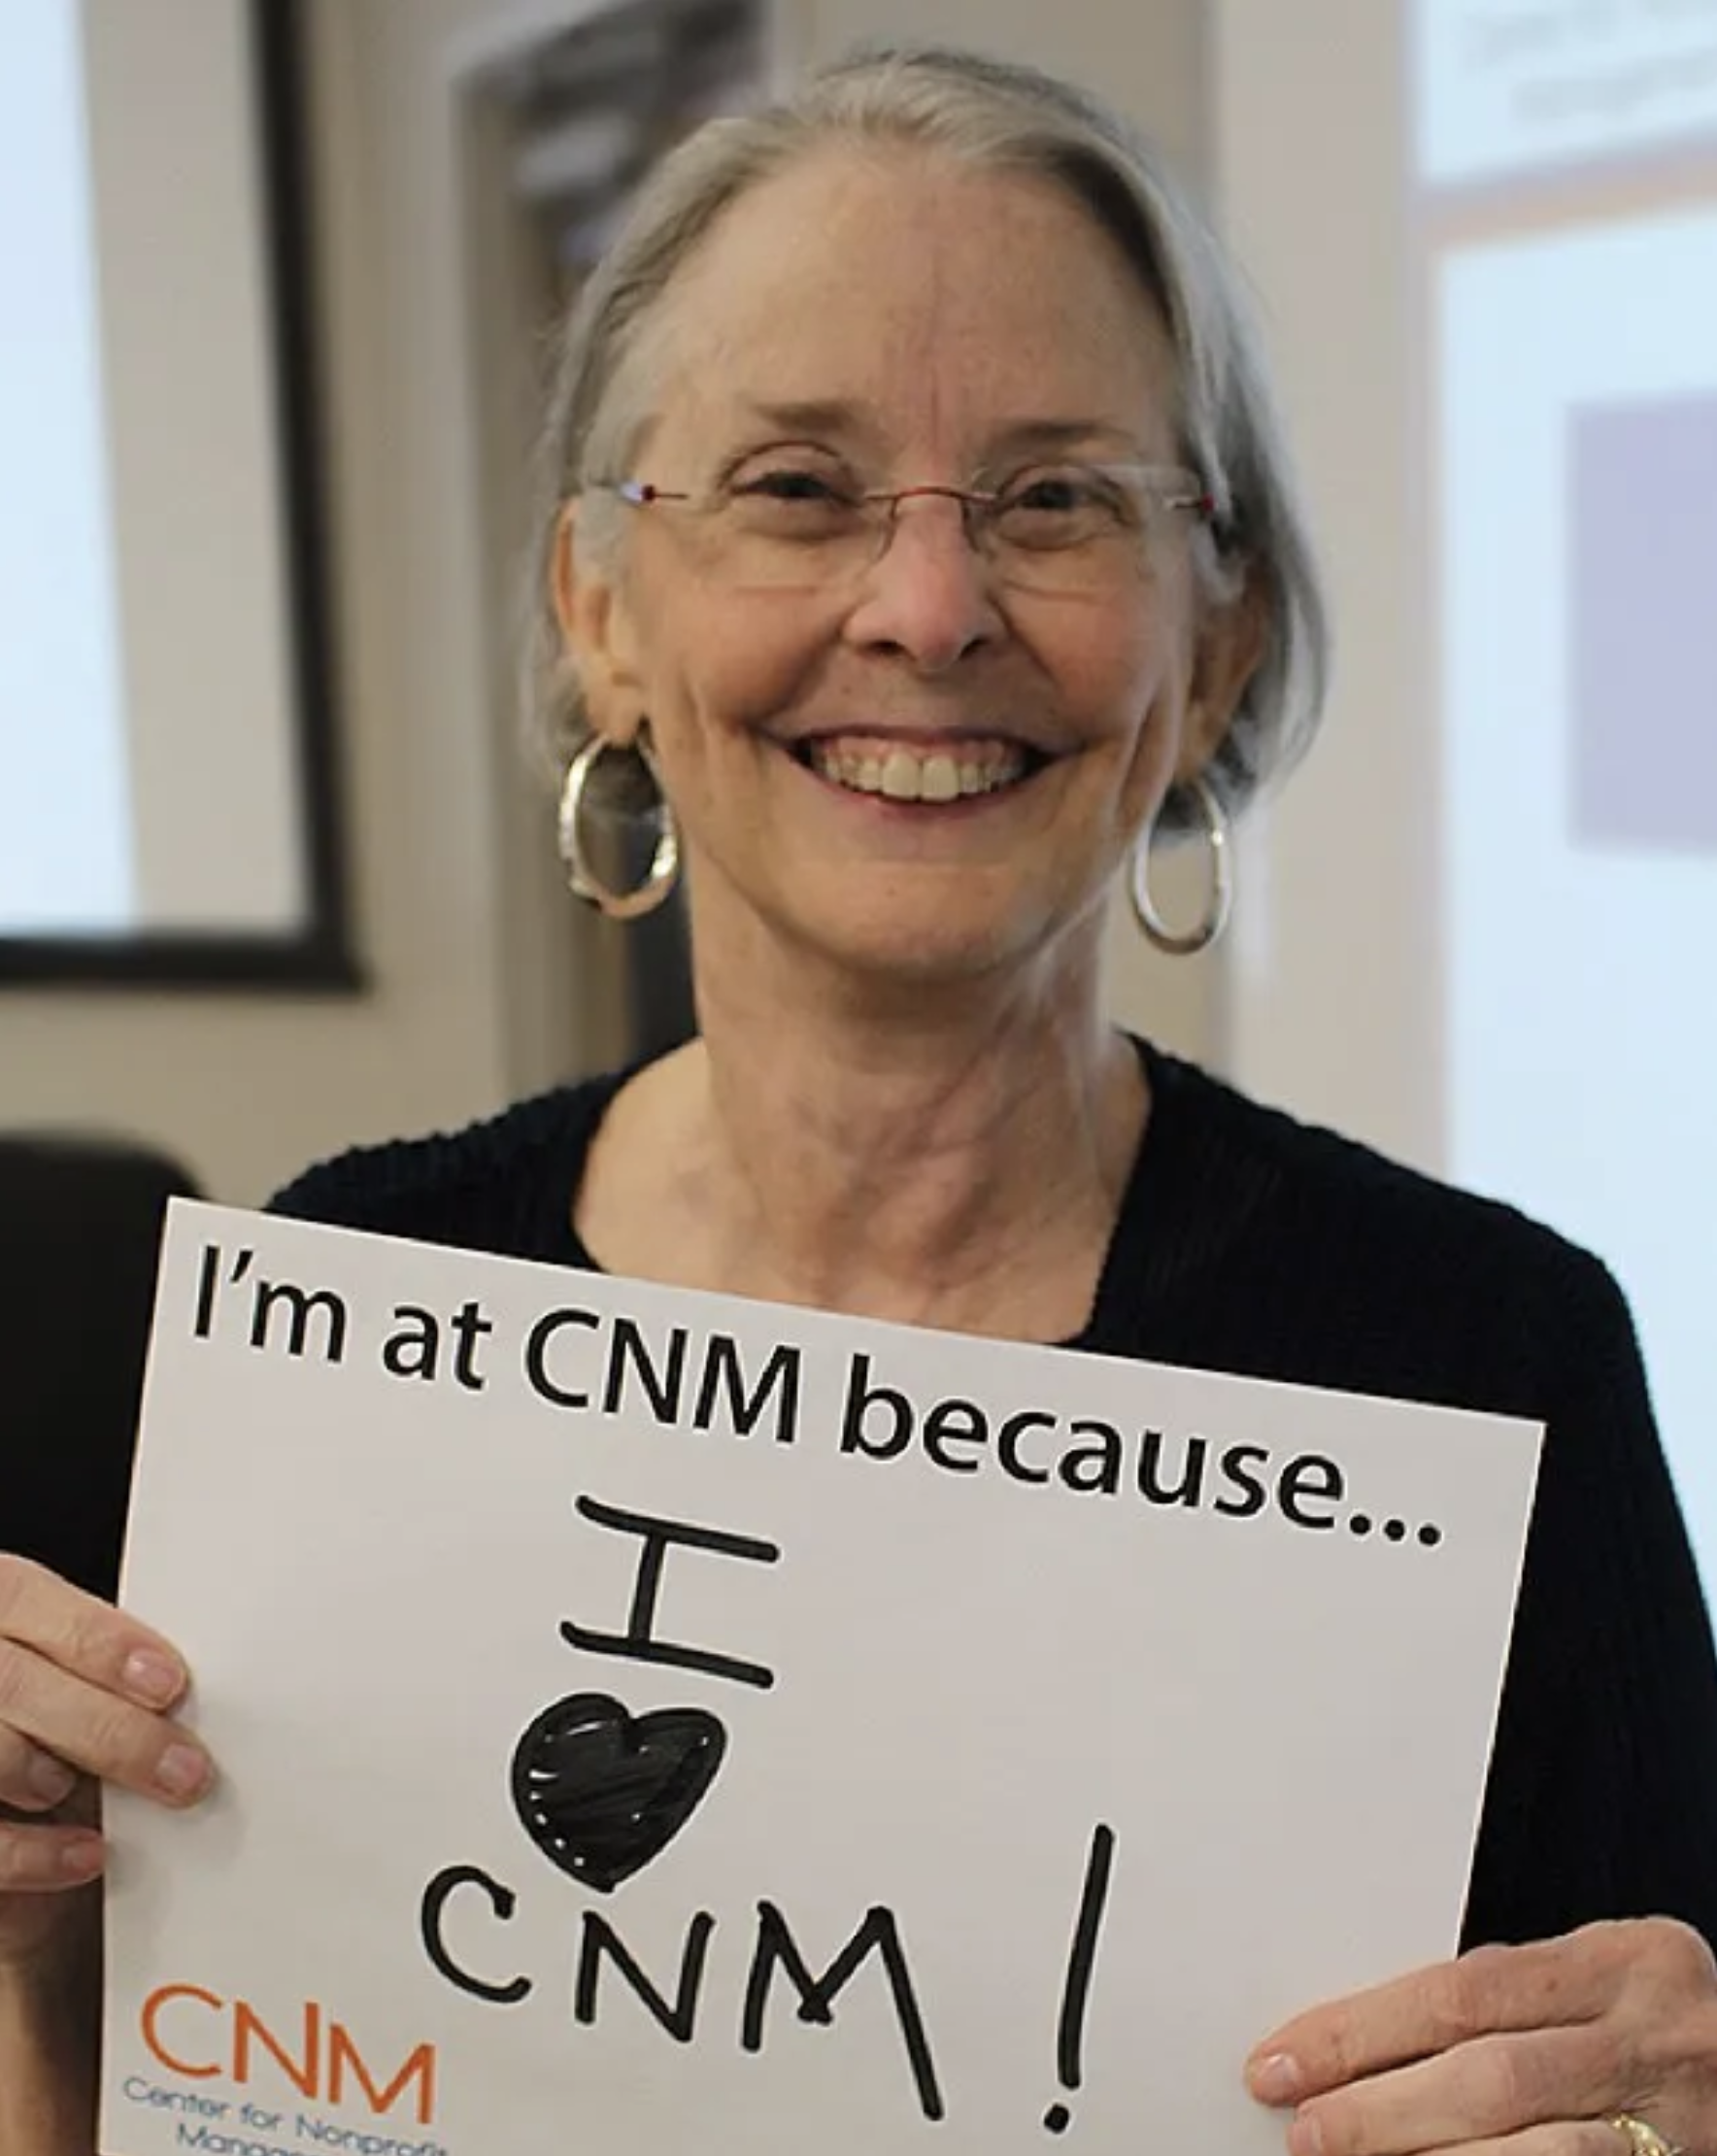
x: 662, y: 1722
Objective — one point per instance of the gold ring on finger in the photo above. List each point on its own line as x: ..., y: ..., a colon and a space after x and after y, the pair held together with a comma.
x: 1643, y: 2140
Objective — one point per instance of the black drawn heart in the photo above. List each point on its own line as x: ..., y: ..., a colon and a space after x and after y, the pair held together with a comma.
x: 602, y: 1792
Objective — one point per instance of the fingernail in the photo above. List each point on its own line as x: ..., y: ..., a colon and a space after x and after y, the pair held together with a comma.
x: 81, y: 1860
x: 1305, y: 2137
x: 181, y: 1771
x: 153, y: 1678
x: 1275, y: 2078
x: 50, y: 1778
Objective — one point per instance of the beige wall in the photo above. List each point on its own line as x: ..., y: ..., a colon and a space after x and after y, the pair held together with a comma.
x: 467, y: 1002
x: 1335, y: 991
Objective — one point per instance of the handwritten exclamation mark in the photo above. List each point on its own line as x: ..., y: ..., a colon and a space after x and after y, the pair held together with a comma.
x: 1076, y: 1990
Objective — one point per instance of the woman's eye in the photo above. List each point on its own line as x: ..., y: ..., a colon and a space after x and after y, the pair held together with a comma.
x: 1067, y: 493
x: 790, y: 485
x: 1048, y: 493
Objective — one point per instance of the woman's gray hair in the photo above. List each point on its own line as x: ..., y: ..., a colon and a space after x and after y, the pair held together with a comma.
x: 992, y: 116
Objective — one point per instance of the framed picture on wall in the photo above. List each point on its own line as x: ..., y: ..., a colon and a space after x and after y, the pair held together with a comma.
x: 168, y: 806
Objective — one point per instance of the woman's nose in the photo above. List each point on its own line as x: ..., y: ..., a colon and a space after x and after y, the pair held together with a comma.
x: 929, y: 594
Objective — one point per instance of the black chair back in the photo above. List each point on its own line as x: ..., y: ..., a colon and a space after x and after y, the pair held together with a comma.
x: 79, y: 1231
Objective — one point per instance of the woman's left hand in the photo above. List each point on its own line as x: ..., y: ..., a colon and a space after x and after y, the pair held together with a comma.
x: 1535, y: 2050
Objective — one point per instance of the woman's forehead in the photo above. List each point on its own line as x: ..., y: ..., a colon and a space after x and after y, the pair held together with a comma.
x: 912, y: 293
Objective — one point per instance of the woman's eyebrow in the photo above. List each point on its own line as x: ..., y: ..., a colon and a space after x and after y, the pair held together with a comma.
x: 1047, y: 434
x: 809, y: 415
x: 841, y: 416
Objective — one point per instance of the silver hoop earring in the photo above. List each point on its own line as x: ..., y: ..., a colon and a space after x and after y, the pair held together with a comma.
x: 1215, y: 917
x: 664, y: 865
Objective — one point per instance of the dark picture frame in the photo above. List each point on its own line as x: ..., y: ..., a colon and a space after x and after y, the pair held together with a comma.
x: 317, y: 954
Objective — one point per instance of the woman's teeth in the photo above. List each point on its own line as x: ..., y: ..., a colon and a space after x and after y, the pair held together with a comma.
x: 907, y: 774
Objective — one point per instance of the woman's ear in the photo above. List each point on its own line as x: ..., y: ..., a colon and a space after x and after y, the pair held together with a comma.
x: 1233, y: 640
x: 598, y: 639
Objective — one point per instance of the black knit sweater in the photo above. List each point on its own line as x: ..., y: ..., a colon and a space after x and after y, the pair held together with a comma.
x: 1250, y: 1244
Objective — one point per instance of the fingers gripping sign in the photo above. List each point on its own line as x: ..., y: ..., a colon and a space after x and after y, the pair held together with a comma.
x: 86, y: 1695
x: 1604, y: 2040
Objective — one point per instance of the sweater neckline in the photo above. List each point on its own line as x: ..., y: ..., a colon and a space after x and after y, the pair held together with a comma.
x: 1156, y: 1188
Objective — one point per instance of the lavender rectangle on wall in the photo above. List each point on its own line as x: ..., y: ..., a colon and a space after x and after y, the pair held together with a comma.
x: 1643, y: 572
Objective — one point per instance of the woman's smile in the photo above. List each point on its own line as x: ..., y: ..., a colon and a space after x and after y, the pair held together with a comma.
x: 947, y: 771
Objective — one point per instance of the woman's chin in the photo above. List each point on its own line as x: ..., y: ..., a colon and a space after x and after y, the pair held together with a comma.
x: 887, y: 925
x: 913, y: 947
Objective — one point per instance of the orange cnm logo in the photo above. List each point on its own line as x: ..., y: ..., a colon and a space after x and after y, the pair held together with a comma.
x: 200, y: 2034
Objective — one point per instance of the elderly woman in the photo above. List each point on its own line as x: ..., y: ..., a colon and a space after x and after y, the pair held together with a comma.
x: 918, y: 528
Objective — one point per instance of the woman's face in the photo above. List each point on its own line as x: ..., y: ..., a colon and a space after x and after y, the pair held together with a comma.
x: 925, y: 324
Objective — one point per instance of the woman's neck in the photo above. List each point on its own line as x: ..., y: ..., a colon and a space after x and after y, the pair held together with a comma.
x: 953, y: 1157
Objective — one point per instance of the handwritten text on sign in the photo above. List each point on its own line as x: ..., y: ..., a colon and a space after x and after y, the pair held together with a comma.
x: 672, y: 1719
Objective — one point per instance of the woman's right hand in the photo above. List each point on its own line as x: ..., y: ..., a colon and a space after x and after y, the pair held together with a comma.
x: 87, y: 1697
